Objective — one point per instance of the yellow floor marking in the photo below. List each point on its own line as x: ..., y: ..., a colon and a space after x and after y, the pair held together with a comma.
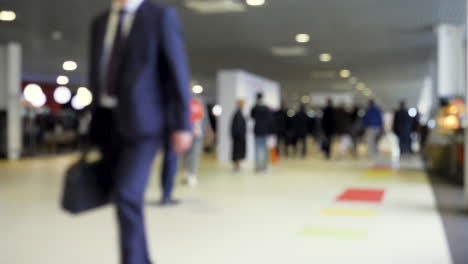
x: 335, y: 233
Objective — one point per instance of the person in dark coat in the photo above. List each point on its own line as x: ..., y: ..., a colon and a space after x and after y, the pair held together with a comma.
x: 238, y: 135
x: 328, y: 127
x: 402, y: 127
x: 342, y: 121
x: 343, y: 124
x: 356, y: 129
x: 281, y: 125
x: 300, y: 123
x: 291, y: 138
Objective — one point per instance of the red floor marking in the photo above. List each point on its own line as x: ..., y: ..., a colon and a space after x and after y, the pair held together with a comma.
x: 362, y: 195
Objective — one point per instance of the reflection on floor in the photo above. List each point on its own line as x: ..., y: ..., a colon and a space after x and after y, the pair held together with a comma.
x: 301, y: 212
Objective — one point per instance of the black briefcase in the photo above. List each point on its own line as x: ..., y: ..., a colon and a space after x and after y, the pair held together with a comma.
x: 87, y: 186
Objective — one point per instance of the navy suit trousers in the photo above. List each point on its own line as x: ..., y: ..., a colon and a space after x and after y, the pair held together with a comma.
x: 169, y: 171
x: 132, y: 175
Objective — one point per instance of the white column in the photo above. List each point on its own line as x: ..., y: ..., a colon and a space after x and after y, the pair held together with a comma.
x: 227, y: 96
x: 426, y: 99
x: 10, y: 87
x: 450, y: 60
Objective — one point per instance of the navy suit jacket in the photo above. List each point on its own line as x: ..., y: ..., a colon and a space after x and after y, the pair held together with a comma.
x: 153, y: 80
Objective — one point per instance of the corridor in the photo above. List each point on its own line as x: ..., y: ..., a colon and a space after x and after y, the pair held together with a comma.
x: 302, y: 211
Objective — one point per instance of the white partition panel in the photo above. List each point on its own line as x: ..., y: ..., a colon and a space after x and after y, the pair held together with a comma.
x: 232, y: 86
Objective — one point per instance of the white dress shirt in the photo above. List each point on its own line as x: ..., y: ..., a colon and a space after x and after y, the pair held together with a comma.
x: 130, y: 10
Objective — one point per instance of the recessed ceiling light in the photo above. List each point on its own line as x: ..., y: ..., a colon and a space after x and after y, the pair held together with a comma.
x: 217, y: 110
x: 56, y: 35
x: 82, y: 99
x: 413, y: 112
x: 70, y: 66
x: 305, y: 99
x: 62, y: 95
x: 197, y: 89
x: 255, y: 2
x: 7, y: 15
x: 63, y: 80
x: 368, y: 93
x: 31, y: 92
x: 345, y: 73
x: 325, y: 57
x: 302, y: 38
x: 34, y: 95
x: 361, y: 86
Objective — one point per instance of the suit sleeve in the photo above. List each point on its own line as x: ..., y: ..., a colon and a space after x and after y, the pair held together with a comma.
x: 178, y: 72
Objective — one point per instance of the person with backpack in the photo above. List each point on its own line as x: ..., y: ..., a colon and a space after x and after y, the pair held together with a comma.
x: 262, y: 116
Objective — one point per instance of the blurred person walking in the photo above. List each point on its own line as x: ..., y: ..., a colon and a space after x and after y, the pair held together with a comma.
x: 328, y: 128
x: 291, y: 138
x: 402, y: 127
x: 281, y: 126
x: 191, y: 158
x: 343, y: 125
x: 300, y: 124
x: 356, y: 129
x: 263, y: 123
x: 373, y: 123
x: 139, y: 78
x: 239, y: 136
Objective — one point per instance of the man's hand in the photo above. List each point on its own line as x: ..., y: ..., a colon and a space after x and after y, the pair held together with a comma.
x: 181, y: 141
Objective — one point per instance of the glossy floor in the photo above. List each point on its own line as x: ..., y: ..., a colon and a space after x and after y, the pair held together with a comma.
x: 290, y: 215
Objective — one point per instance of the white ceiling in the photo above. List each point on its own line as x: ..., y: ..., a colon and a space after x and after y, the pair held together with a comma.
x: 386, y: 43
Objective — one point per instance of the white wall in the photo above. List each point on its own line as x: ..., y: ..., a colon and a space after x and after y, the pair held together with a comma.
x: 232, y: 86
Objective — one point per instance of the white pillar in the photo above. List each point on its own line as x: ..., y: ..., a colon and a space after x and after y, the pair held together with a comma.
x: 450, y: 60
x: 10, y: 87
x: 227, y: 96
x: 426, y: 99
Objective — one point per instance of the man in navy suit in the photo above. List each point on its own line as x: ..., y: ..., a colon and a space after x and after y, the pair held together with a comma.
x: 140, y: 80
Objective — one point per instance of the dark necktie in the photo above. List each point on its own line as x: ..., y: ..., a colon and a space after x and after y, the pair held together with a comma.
x: 115, y: 56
